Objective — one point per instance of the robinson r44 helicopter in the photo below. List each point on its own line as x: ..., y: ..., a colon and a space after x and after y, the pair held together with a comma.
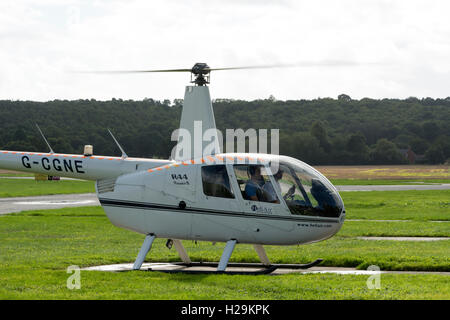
x: 258, y: 199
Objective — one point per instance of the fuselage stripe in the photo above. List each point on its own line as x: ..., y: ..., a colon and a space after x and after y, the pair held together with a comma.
x: 150, y: 206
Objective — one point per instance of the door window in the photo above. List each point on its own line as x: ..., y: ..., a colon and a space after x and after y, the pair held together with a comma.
x: 216, y: 182
x: 255, y: 184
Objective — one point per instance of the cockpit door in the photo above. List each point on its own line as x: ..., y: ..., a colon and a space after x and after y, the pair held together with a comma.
x: 263, y: 215
x: 219, y: 211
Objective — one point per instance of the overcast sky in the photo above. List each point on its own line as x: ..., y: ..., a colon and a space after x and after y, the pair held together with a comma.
x: 402, y: 48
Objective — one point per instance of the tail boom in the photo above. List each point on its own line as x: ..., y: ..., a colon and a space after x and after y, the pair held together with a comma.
x: 74, y: 166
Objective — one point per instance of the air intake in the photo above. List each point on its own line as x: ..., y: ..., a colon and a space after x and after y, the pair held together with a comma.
x: 106, y: 185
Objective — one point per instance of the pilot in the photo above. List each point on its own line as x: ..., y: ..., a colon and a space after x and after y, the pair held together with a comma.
x: 253, y: 187
x: 270, y: 190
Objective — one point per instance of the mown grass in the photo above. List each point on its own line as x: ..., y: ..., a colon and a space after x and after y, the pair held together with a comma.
x: 15, y: 175
x: 35, y: 284
x: 423, y: 205
x: 386, y: 182
x: 28, y: 187
x: 387, y: 228
x: 81, y: 230
x: 36, y: 247
x: 386, y: 172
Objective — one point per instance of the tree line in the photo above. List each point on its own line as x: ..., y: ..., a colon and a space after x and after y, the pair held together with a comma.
x: 321, y: 131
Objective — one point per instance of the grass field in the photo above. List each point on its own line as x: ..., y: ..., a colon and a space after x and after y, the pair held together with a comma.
x: 26, y: 187
x: 9, y: 174
x: 387, y: 182
x: 403, y: 205
x: 37, y: 246
x: 408, y: 172
x: 36, y: 284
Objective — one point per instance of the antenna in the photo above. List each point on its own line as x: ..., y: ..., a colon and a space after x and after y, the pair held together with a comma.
x: 124, y: 155
x: 48, y: 144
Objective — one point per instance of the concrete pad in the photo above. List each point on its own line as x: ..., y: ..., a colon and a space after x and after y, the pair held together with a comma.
x: 168, y: 266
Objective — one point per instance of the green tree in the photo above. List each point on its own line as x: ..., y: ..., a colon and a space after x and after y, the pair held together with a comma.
x: 358, y: 149
x: 20, y: 135
x: 344, y: 97
x: 443, y: 142
x: 419, y: 145
x: 334, y: 136
x: 430, y: 130
x: 385, y: 152
x: 434, y: 155
x: 320, y: 133
x: 304, y: 147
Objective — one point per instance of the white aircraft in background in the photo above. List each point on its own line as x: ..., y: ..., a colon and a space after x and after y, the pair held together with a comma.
x: 217, y: 197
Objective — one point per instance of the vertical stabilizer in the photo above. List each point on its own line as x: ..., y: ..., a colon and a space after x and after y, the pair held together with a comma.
x: 199, y: 137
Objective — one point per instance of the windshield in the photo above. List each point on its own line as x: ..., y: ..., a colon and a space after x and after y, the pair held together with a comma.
x: 305, y: 190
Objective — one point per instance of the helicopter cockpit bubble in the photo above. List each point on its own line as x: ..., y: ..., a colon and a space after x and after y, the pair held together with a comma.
x: 306, y: 191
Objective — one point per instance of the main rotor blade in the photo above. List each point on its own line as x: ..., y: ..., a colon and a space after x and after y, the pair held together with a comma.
x: 323, y: 63
x: 326, y: 63
x: 135, y: 71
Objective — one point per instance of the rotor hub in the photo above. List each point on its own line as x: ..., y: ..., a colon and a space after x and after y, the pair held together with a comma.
x: 200, y: 74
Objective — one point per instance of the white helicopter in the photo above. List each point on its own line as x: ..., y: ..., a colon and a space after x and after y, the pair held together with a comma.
x: 215, y: 197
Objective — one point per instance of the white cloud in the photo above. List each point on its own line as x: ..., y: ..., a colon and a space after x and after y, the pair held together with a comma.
x: 40, y: 41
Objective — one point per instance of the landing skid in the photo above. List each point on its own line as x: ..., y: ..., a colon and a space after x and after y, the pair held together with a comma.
x: 221, y: 266
x: 252, y: 265
x: 266, y: 269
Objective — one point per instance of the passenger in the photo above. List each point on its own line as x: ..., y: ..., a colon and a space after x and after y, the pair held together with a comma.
x: 221, y: 185
x: 270, y: 190
x: 253, y: 187
x: 323, y: 196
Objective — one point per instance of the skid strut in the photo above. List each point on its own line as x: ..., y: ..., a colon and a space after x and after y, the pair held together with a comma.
x: 181, y: 251
x: 262, y: 254
x: 146, y: 246
x: 226, y: 255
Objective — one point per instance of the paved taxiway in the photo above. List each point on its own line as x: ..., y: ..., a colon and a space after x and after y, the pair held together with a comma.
x: 9, y: 205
